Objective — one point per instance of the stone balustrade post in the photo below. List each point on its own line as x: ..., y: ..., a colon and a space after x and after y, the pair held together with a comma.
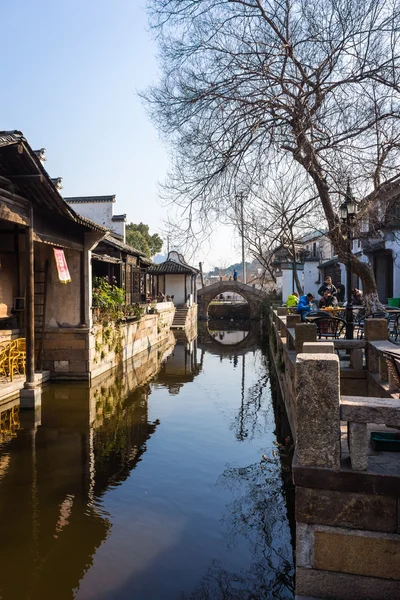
x: 318, y: 410
x: 304, y: 332
x: 291, y: 321
x: 393, y: 387
x: 282, y: 311
x: 356, y: 358
x: 357, y: 440
x: 375, y: 330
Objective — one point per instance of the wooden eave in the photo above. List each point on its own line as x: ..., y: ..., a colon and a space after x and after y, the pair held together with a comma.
x: 106, y: 258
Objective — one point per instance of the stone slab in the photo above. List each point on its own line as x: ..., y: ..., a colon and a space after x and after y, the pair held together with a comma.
x: 361, y: 409
x: 349, y: 344
x: 318, y: 348
x: 345, y: 480
x: 344, y: 509
x: 357, y: 552
x: 340, y: 586
x: 317, y: 404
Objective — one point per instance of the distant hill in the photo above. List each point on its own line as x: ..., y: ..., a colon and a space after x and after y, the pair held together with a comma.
x: 229, y: 270
x: 160, y: 258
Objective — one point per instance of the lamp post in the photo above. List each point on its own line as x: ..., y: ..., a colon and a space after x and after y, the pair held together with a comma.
x: 347, y: 213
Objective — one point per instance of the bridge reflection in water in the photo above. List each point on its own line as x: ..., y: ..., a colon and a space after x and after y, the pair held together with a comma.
x: 148, y: 484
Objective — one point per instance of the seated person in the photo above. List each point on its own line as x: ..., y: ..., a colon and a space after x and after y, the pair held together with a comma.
x: 293, y: 299
x: 357, y: 298
x: 327, y: 300
x: 327, y: 286
x: 305, y: 305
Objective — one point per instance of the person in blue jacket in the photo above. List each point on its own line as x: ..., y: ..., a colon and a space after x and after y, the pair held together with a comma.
x: 305, y: 305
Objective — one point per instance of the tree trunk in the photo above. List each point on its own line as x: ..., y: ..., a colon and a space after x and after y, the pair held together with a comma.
x: 310, y: 162
x: 372, y: 304
x: 296, y: 278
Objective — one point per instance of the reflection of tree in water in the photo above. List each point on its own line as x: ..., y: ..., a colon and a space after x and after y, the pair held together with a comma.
x: 251, y: 416
x: 257, y: 515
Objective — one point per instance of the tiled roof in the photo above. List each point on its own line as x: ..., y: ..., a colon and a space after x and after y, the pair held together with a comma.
x: 83, y: 199
x: 31, y: 180
x: 113, y: 241
x: 119, y: 218
x: 171, y: 267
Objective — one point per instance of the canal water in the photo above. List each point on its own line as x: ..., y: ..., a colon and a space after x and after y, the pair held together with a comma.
x: 162, y: 481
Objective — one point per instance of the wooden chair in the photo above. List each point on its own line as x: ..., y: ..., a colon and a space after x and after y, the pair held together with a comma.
x: 18, y: 356
x: 394, y: 326
x: 4, y: 362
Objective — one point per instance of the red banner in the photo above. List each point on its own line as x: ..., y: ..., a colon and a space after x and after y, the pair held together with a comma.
x: 62, y: 267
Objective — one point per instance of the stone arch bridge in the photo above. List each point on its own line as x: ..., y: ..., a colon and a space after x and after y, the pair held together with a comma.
x: 253, y: 296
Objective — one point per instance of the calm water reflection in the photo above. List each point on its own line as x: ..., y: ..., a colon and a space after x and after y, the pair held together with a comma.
x: 149, y: 485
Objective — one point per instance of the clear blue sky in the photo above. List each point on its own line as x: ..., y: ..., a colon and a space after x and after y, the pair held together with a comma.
x: 70, y: 73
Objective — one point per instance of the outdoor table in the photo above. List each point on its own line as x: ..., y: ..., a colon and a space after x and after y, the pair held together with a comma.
x: 334, y: 311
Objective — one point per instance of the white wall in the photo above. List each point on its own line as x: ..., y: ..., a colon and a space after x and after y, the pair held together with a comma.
x: 287, y: 283
x: 119, y: 228
x: 175, y: 286
x: 311, y: 277
x: 99, y: 212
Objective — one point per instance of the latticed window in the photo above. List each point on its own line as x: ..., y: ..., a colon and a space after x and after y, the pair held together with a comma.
x: 135, y: 285
x: 128, y: 284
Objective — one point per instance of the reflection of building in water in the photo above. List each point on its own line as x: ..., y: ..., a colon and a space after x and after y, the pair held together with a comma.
x: 87, y: 440
x: 181, y: 366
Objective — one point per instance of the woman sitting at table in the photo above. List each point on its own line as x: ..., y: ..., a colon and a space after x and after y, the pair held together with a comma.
x: 327, y: 286
x: 327, y: 300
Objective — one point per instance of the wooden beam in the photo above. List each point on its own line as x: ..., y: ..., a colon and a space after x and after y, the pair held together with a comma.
x: 9, y: 211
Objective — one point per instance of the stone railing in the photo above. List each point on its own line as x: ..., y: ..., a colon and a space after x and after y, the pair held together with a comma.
x: 359, y: 412
x: 347, y: 517
x: 366, y: 373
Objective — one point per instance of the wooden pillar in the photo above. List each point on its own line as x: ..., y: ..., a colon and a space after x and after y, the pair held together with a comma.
x: 185, y: 290
x: 30, y: 303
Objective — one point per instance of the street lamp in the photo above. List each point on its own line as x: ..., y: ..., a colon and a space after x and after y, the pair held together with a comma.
x: 347, y: 213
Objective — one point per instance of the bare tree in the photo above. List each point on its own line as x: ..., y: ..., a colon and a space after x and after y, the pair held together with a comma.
x: 279, y: 217
x: 247, y: 81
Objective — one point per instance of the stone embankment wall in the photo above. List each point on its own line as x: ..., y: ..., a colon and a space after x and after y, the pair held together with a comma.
x: 74, y: 353
x: 347, y: 495
x: 191, y: 318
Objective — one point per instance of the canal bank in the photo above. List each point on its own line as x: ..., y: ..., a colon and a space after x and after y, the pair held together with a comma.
x: 163, y: 481
x: 346, y: 490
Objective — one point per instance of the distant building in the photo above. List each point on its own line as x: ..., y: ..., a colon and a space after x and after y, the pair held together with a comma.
x: 100, y: 209
x: 174, y: 277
